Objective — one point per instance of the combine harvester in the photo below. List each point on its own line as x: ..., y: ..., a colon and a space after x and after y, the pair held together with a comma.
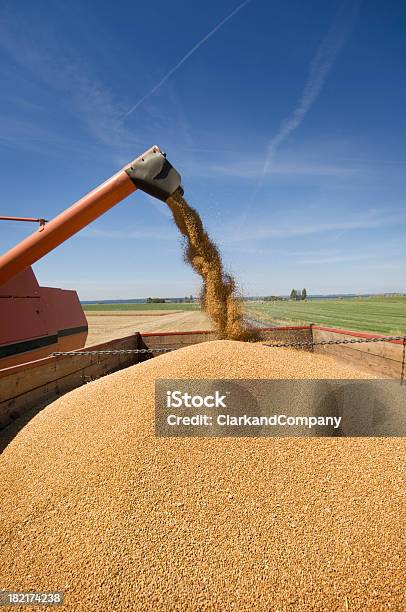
x: 37, y: 322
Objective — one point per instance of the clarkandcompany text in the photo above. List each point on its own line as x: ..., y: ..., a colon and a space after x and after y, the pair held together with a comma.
x: 245, y: 420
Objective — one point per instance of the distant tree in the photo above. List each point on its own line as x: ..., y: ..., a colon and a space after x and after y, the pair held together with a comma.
x: 293, y: 294
x: 304, y: 294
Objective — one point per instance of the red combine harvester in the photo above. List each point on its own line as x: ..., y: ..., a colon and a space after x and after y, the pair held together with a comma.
x: 36, y: 321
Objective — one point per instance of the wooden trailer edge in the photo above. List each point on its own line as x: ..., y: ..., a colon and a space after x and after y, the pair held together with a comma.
x: 35, y: 383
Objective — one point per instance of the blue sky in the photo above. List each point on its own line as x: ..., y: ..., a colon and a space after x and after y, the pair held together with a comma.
x: 286, y: 120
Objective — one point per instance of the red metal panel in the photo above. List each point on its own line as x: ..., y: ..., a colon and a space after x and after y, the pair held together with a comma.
x: 23, y: 284
x: 22, y: 319
x: 283, y: 327
x: 35, y: 321
x: 64, y: 307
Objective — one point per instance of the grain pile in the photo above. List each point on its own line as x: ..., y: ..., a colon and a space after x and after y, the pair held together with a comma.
x: 94, y: 504
x: 219, y: 295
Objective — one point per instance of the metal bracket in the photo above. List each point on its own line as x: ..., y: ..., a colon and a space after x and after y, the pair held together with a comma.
x: 153, y: 173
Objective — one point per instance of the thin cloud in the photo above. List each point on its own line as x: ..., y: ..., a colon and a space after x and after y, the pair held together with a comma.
x: 320, y: 67
x: 258, y: 232
x: 66, y: 73
x: 250, y: 169
x: 186, y: 57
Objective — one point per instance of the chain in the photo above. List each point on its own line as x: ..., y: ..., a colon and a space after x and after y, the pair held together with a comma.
x: 113, y: 352
x: 276, y: 345
x: 328, y: 342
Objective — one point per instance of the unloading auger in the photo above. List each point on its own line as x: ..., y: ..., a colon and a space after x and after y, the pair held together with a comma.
x: 36, y: 321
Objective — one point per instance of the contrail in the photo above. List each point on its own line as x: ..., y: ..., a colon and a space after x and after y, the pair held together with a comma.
x: 320, y: 67
x: 186, y: 57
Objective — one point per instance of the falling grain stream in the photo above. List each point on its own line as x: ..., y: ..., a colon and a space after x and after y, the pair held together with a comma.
x: 219, y: 292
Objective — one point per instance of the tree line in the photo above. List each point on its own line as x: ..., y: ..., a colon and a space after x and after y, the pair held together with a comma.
x: 297, y: 294
x: 186, y: 300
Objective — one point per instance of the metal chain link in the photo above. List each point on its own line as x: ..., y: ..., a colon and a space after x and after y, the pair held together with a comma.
x: 112, y: 352
x: 276, y: 345
x: 327, y: 342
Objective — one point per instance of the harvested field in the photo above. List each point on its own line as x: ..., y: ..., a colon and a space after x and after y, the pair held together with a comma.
x: 95, y: 505
x: 108, y: 325
x: 147, y: 306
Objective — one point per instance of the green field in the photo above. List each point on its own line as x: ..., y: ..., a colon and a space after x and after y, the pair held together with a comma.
x: 124, y: 307
x: 385, y: 315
